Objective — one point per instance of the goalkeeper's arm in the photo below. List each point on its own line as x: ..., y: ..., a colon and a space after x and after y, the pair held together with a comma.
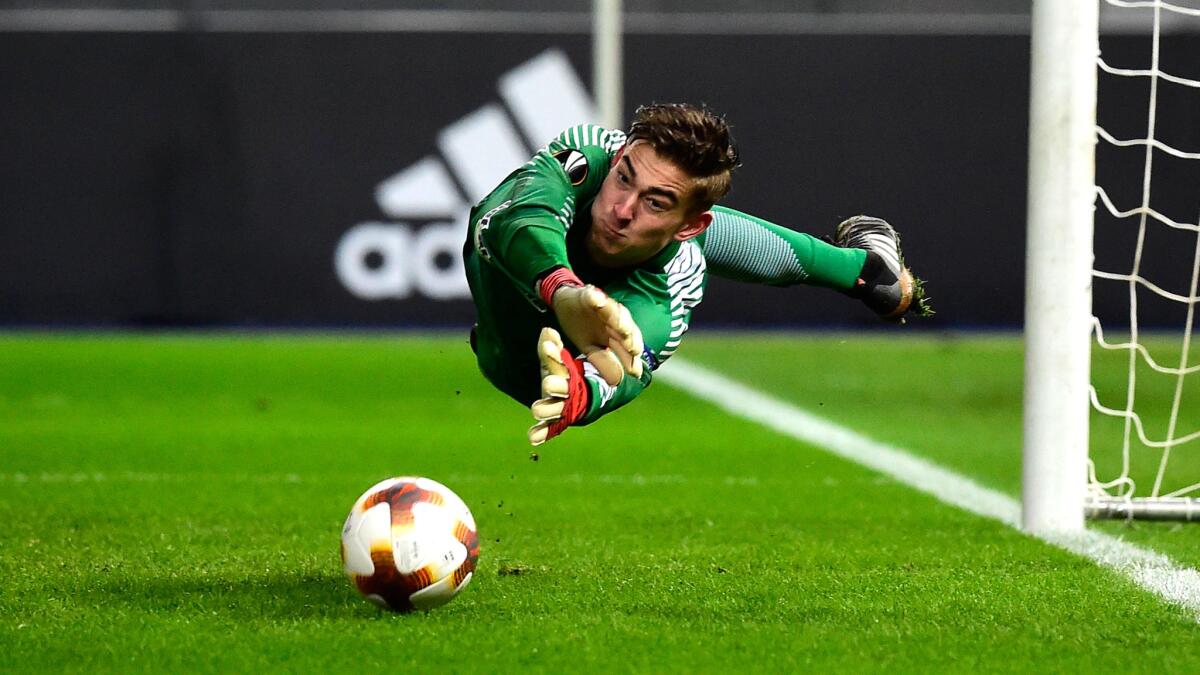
x: 529, y: 247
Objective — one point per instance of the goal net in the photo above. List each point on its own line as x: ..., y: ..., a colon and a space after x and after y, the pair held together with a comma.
x: 1144, y: 459
x: 1112, y: 383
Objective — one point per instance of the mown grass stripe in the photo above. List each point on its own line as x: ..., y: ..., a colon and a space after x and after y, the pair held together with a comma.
x: 1149, y: 569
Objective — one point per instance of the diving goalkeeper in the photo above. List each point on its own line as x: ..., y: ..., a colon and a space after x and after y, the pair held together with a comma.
x: 586, y: 263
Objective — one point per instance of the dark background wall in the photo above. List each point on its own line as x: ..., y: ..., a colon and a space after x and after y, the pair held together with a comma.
x: 206, y: 178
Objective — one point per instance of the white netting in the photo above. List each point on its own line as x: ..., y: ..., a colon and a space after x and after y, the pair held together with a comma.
x: 1135, y: 418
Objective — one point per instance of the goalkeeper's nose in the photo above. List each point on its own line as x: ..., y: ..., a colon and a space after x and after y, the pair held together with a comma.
x: 623, y: 208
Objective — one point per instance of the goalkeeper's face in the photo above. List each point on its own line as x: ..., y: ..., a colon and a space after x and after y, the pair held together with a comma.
x: 646, y: 201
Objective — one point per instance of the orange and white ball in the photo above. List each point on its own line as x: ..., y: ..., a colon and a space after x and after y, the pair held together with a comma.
x: 409, y: 543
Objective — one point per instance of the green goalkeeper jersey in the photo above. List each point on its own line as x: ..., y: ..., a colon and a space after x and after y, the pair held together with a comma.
x: 536, y: 220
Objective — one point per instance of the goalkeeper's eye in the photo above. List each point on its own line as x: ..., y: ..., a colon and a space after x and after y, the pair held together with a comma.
x: 656, y: 205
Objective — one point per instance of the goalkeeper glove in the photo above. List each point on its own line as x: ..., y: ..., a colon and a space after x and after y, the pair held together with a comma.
x: 600, y: 327
x: 884, y: 284
x: 564, y: 390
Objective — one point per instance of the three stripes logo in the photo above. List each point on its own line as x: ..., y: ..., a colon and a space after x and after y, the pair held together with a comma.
x: 418, y: 249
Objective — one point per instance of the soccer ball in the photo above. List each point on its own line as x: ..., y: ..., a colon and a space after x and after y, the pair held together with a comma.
x: 409, y: 543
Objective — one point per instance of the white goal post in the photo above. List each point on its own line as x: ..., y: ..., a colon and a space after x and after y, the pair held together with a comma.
x: 607, y: 66
x: 1062, y: 133
x: 1059, y: 482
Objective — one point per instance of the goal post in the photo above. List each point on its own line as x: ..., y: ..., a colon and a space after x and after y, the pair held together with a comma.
x: 1076, y: 464
x: 1061, y: 193
x: 607, y: 53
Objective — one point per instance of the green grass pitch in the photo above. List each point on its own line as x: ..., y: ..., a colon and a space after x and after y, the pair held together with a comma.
x: 174, y: 504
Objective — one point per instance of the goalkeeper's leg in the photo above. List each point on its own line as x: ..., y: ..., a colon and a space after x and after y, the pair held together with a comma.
x: 885, y: 283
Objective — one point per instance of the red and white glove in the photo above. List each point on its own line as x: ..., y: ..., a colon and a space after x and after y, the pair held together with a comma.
x: 564, y: 389
x: 600, y: 327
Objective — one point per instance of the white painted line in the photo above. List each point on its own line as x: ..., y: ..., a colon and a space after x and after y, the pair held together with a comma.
x: 20, y: 479
x: 1149, y: 569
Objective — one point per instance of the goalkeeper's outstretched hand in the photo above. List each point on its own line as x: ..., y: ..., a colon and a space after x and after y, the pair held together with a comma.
x: 564, y: 390
x: 885, y: 284
x: 600, y: 327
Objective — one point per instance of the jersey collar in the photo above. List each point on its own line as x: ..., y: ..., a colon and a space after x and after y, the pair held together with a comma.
x: 660, y: 259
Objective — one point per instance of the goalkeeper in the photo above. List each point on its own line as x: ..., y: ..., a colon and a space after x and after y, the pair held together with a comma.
x: 586, y: 262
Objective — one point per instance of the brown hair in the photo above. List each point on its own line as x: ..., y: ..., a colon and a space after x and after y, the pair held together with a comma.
x: 696, y: 140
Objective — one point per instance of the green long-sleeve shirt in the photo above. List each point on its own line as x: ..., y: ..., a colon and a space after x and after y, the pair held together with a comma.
x: 536, y: 219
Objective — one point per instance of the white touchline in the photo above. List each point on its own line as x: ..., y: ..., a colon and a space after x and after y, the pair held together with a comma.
x: 1153, y: 571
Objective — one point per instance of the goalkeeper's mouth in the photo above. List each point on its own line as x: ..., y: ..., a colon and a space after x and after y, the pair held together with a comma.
x: 607, y: 247
x: 604, y: 230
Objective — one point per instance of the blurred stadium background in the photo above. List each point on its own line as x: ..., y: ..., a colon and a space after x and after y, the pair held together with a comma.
x: 201, y: 163
x: 278, y: 165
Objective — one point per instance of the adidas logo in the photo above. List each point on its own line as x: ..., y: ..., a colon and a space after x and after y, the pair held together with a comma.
x: 395, y: 258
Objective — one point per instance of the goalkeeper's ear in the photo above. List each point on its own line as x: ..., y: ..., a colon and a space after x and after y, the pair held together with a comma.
x: 694, y: 225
